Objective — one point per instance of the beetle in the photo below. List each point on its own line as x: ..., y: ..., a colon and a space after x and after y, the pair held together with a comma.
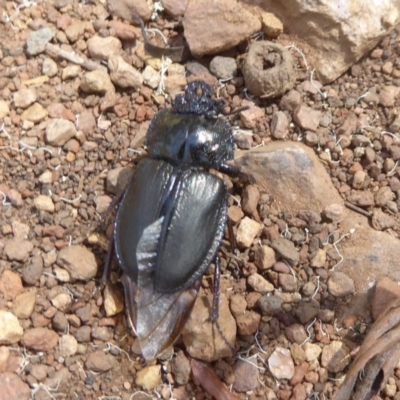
x: 172, y: 217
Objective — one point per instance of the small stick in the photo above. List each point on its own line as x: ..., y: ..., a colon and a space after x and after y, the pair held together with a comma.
x: 52, y: 50
x: 357, y: 209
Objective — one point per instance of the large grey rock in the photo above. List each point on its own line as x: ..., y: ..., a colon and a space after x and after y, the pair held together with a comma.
x: 292, y: 174
x: 296, y: 179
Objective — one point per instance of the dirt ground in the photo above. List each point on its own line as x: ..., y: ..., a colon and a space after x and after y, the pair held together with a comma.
x: 54, y: 190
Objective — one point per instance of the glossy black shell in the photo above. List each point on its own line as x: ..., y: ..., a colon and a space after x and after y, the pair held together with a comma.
x: 175, y: 184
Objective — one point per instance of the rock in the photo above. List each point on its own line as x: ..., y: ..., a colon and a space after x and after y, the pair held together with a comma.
x: 149, y: 377
x: 151, y: 77
x: 10, y: 283
x: 124, y: 75
x: 37, y: 40
x: 248, y: 323
x: 49, y: 67
x: 260, y: 284
x: 31, y: 273
x: 319, y: 259
x: 122, y: 8
x: 382, y: 221
x: 243, y: 138
x: 270, y: 305
x: 83, y: 333
x: 59, y: 131
x: 71, y: 72
x: 286, y: 249
x: 306, y: 184
x: 201, y: 337
x: 335, y: 356
x: 4, y: 109
x: 298, y: 355
x: 44, y: 203
x: 268, y: 69
x: 99, y: 361
x: 334, y: 212
x: 223, y: 67
x: 68, y: 345
x: 360, y: 31
x: 62, y: 301
x: 174, y: 84
x: 61, y: 377
x: 279, y: 125
x: 287, y: 282
x: 13, y: 387
x: 238, y: 304
x: 265, y: 257
x: 60, y: 322
x: 307, y: 311
x: 10, y: 330
x: 39, y: 371
x: 340, y: 285
x: 246, y: 376
x: 78, y: 261
x: 312, y: 351
x: 24, y: 97
x: 113, y: 300
x: 118, y: 179
x: 103, y: 48
x: 386, y: 291
x: 181, y: 369
x: 40, y: 339
x: 247, y: 231
x: 299, y: 392
x: 250, y: 198
x: 383, y: 196
x: 175, y: 8
x: 98, y: 82
x: 228, y: 23
x: 359, y: 179
x: 296, y: 333
x: 363, y: 199
x: 281, y: 364
x: 61, y: 274
x: 20, y: 230
x: 271, y: 25
x: 252, y: 115
x: 235, y: 214
x: 290, y: 101
x: 35, y: 113
x: 307, y: 118
x: 8, y: 361
x: 86, y: 121
x: 17, y: 249
x: 24, y: 304
x: 76, y: 30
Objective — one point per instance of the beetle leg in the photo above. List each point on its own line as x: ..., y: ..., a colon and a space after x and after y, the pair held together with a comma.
x: 107, y: 264
x: 234, y: 172
x: 215, y: 304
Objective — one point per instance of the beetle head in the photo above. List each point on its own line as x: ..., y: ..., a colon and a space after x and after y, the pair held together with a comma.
x: 191, y: 135
x: 197, y: 100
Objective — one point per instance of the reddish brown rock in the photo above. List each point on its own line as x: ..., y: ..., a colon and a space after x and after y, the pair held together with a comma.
x: 10, y: 285
x: 40, y: 339
x: 228, y: 23
x: 200, y: 335
x: 13, y: 387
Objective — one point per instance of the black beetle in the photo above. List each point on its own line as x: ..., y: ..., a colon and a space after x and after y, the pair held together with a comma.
x: 171, y: 219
